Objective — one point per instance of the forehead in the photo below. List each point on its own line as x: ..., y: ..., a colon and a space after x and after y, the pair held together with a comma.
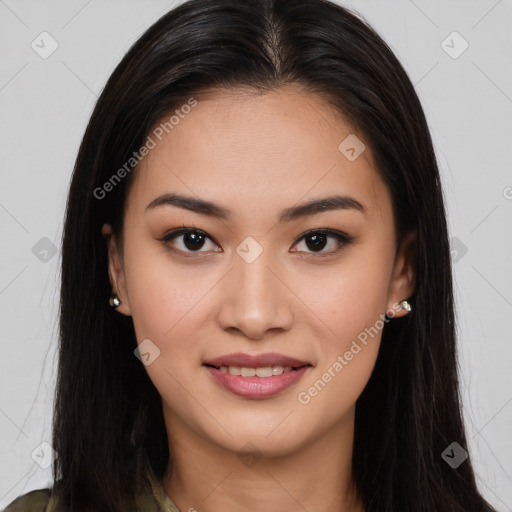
x: 245, y: 149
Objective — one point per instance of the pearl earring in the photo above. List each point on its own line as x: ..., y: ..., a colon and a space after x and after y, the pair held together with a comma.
x: 114, y: 301
x: 405, y: 305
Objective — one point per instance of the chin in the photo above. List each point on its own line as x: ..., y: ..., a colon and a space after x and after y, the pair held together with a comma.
x: 263, y: 441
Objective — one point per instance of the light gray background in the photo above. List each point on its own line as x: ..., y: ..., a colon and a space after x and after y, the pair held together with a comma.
x: 45, y: 105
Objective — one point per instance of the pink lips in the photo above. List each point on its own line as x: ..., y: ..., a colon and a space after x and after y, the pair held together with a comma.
x: 256, y: 387
x: 248, y: 361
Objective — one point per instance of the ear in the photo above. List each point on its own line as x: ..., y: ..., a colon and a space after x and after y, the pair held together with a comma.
x: 115, y: 269
x: 403, y: 280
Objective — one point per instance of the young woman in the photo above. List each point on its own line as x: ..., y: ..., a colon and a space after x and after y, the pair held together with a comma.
x: 256, y: 302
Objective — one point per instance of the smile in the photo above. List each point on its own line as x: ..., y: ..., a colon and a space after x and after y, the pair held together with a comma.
x: 256, y: 383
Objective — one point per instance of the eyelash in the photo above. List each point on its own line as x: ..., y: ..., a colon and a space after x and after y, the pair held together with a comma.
x: 341, y: 238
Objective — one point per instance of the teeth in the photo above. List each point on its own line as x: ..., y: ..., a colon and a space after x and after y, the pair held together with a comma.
x: 266, y: 371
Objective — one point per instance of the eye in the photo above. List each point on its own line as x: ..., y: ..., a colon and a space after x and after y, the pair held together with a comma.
x: 192, y: 240
x: 318, y: 239
x: 189, y: 240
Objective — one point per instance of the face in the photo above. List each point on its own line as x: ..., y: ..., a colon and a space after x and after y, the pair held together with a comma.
x: 246, y: 267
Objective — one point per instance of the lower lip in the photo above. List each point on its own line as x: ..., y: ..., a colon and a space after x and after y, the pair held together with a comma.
x: 257, y: 387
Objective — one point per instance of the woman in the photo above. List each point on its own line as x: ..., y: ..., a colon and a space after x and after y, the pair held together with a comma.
x: 256, y: 300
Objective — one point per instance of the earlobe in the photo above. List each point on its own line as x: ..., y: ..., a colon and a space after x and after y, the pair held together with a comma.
x: 118, y: 298
x: 404, y: 277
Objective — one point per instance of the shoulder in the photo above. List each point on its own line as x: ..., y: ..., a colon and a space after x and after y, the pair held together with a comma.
x: 33, y: 501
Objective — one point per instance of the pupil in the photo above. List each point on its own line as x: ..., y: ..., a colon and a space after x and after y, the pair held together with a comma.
x: 195, y: 240
x: 318, y: 241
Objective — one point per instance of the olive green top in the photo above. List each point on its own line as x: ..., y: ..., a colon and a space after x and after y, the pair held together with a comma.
x: 151, y: 498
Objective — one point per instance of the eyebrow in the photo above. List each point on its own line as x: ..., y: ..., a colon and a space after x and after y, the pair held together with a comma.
x: 203, y: 207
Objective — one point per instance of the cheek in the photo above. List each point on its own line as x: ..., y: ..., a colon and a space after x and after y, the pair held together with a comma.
x: 169, y: 302
x: 347, y: 359
x: 163, y: 295
x: 351, y: 296
x: 351, y: 301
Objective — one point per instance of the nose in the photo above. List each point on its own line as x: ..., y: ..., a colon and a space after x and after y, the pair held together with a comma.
x: 255, y: 299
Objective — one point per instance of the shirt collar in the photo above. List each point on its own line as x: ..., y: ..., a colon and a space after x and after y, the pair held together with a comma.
x: 153, y: 495
x: 150, y: 495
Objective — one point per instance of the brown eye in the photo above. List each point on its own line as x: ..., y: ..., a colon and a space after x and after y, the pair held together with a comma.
x: 188, y: 240
x: 193, y: 241
x: 316, y: 242
x: 318, y: 239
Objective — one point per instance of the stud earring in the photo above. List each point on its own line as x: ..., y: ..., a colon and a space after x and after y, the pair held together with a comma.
x: 406, y: 306
x: 114, y: 301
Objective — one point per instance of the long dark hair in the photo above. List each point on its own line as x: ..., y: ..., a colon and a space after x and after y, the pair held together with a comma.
x: 107, y: 409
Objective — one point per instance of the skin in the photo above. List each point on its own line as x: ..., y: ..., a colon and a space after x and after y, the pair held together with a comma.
x: 257, y: 154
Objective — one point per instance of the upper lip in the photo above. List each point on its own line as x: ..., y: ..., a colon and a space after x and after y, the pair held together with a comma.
x: 260, y: 360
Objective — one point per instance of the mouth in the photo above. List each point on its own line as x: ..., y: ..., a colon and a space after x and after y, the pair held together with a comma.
x: 256, y: 377
x: 265, y: 360
x: 258, y: 371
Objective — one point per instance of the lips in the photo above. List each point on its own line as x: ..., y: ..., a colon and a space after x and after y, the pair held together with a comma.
x: 258, y: 361
x: 278, y: 373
